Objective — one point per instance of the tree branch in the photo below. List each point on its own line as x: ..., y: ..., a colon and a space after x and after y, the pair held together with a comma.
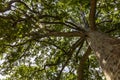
x: 8, y: 6
x: 111, y: 30
x: 92, y: 14
x: 78, y: 51
x: 62, y: 23
x: 103, y: 22
x: 50, y: 16
x: 46, y: 65
x: 57, y: 34
x: 75, y: 26
x: 19, y: 44
x: 53, y: 44
x: 83, y: 18
x: 70, y: 53
x: 80, y: 71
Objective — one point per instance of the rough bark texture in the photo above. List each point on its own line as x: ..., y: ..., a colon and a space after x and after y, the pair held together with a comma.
x: 107, y: 50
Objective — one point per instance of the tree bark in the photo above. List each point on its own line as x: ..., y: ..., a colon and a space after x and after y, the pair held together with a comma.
x: 107, y: 50
x: 80, y: 70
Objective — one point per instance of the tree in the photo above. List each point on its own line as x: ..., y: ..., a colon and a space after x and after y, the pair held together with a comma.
x: 60, y: 39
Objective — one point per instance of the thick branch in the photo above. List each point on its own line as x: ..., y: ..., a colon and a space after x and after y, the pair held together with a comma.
x: 92, y: 14
x: 57, y: 34
x: 82, y: 63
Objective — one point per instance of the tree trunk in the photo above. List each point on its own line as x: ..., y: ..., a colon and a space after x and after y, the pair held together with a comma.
x: 107, y: 50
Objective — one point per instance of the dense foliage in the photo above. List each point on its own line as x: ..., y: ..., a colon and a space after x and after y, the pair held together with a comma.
x: 29, y: 50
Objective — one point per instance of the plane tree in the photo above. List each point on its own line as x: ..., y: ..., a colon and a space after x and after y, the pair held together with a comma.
x: 60, y: 39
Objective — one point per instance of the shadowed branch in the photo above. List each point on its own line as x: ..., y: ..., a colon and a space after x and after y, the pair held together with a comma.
x: 82, y: 63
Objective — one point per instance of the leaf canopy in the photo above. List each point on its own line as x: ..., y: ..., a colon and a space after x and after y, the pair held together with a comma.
x: 25, y: 55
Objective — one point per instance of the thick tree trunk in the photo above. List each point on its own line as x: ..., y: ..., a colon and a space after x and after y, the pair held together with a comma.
x: 107, y: 50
